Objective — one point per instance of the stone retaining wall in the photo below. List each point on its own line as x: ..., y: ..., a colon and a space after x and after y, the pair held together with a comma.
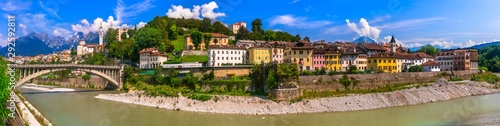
x: 372, y: 81
x: 75, y: 82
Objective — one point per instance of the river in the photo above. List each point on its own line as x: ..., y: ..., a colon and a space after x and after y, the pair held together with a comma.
x: 81, y: 109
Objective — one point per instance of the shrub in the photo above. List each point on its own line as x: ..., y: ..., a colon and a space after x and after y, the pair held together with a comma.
x: 307, y: 73
x: 456, y: 79
x: 201, y: 97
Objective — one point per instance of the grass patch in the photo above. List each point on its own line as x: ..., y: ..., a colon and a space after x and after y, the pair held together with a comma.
x: 179, y: 43
x: 486, y: 77
x: 194, y: 58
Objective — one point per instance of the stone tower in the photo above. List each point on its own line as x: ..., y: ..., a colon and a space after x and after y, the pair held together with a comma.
x: 101, y: 35
x: 393, y: 44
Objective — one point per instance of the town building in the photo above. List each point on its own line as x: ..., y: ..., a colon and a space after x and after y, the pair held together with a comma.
x: 236, y: 26
x: 299, y: 53
x: 120, y: 31
x: 353, y: 56
x: 250, y: 43
x: 371, y: 48
x: 219, y: 55
x: 332, y: 59
x: 431, y: 66
x: 460, y: 59
x: 277, y: 51
x: 259, y: 54
x: 151, y: 58
x: 386, y: 62
x: 318, y: 58
x: 84, y: 49
x: 217, y: 39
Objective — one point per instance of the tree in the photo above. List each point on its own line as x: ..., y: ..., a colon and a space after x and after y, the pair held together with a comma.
x: 96, y: 59
x: 209, y: 76
x: 288, y: 72
x: 157, y: 77
x: 271, y: 80
x: 206, y: 25
x: 206, y: 39
x: 354, y: 69
x: 218, y: 27
x: 172, y: 33
x: 307, y: 72
x: 72, y: 52
x: 429, y: 49
x: 416, y: 68
x: 297, y: 38
x: 345, y: 81
x: 243, y: 33
x: 257, y: 26
x: 316, y: 71
x: 307, y: 39
x: 216, y: 41
x: 322, y: 71
x: 269, y: 35
x: 86, y: 77
x: 4, y: 91
x: 196, y: 37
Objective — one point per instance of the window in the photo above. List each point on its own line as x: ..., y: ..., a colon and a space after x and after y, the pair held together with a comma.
x: 369, y: 61
x: 307, y: 51
x: 294, y: 52
x: 301, y: 52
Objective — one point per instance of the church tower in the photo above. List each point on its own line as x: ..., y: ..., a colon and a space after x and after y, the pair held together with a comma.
x: 101, y: 35
x: 393, y: 44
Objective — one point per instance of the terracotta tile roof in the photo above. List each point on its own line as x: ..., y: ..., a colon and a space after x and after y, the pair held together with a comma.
x: 214, y: 35
x: 147, y: 50
x: 388, y: 55
x: 226, y: 47
x: 300, y: 45
x: 430, y: 63
x: 422, y: 55
x: 372, y: 46
x: 158, y: 54
x: 319, y: 51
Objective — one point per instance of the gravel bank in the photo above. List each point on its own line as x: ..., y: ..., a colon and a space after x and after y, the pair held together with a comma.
x: 439, y: 91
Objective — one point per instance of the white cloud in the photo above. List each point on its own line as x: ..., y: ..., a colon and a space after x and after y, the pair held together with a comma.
x: 40, y: 23
x: 205, y: 10
x: 51, y: 11
x: 470, y: 43
x: 337, y: 30
x: 365, y: 29
x: 299, y: 22
x: 122, y: 12
x: 3, y: 40
x: 24, y: 28
x: 62, y: 32
x: 446, y: 44
x: 295, y: 1
x: 15, y: 5
x: 141, y: 24
x: 86, y: 27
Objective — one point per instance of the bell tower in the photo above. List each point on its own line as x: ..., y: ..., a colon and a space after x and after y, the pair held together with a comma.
x: 101, y: 35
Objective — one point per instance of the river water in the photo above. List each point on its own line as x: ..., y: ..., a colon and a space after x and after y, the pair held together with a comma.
x: 81, y: 109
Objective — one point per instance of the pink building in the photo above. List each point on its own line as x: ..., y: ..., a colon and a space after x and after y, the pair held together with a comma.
x: 318, y: 59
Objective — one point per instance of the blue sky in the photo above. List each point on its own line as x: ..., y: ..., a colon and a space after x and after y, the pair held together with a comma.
x: 445, y: 23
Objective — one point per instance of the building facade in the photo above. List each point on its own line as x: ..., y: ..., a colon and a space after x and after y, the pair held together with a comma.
x: 259, y: 54
x: 151, y: 58
x: 299, y: 53
x: 386, y: 62
x: 332, y: 59
x: 318, y: 58
x: 217, y: 39
x: 219, y: 55
x: 236, y: 26
x: 431, y: 66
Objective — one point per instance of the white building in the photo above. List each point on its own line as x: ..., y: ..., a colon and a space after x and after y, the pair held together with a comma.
x: 219, y: 55
x: 236, y: 26
x: 151, y: 58
x: 84, y: 49
x: 431, y: 66
x: 445, y: 60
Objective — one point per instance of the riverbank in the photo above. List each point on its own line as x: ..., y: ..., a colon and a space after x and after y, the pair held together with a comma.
x: 439, y: 91
x: 29, y: 113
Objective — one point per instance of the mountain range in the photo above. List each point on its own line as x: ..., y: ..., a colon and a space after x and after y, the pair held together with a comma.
x: 41, y: 43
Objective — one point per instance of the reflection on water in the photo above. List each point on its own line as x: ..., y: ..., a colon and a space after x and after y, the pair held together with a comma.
x: 80, y: 108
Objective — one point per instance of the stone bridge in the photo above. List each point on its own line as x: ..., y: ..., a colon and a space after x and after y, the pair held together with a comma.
x: 112, y: 74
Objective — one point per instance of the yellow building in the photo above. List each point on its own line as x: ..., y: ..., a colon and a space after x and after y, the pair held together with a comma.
x: 221, y: 40
x: 332, y: 59
x: 299, y: 53
x: 386, y: 62
x: 259, y: 54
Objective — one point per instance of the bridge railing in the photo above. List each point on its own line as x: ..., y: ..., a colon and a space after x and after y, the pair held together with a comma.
x: 64, y: 65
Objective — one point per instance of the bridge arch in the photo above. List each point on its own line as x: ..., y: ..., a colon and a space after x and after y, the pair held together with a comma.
x: 46, y: 71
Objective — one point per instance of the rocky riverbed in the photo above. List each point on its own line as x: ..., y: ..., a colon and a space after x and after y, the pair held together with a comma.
x: 439, y: 91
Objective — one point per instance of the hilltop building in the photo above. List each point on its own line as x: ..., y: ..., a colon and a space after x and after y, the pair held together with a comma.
x: 151, y: 58
x: 236, y: 26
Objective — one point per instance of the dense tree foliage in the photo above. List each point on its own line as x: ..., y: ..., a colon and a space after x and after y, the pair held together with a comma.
x: 206, y: 25
x: 416, y: 68
x: 197, y: 38
x: 206, y: 39
x: 429, y: 49
x: 489, y: 57
x: 4, y: 91
x: 271, y: 82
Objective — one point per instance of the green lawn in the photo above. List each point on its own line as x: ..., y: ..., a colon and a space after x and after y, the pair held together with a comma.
x: 179, y: 43
x: 194, y: 58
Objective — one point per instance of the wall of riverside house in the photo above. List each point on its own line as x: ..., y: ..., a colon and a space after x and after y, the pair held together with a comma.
x: 373, y: 81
